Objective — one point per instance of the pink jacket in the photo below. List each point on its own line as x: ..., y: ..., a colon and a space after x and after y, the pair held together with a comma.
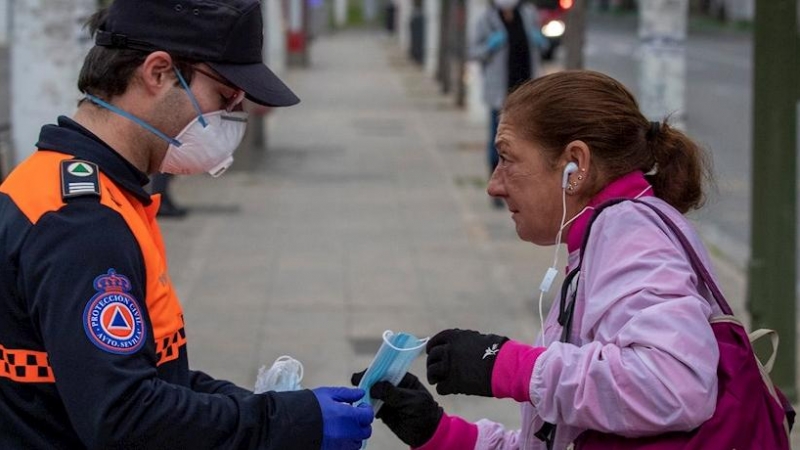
x: 642, y: 358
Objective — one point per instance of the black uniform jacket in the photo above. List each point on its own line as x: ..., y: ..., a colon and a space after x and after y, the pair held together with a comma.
x: 92, y: 345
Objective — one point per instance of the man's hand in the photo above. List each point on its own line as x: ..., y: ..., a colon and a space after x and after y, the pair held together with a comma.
x: 461, y: 361
x: 409, y: 410
x: 344, y: 426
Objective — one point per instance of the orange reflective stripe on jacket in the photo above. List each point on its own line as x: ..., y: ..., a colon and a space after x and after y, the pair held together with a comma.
x: 163, y: 307
x: 25, y: 366
x: 37, y: 190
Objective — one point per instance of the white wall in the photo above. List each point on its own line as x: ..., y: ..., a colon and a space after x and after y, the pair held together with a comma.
x: 45, y: 66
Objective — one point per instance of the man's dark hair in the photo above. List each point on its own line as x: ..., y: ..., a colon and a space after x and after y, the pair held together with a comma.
x: 107, y: 72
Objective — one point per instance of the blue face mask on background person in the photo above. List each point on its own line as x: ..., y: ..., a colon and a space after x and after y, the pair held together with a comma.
x: 391, y: 362
x: 206, y: 144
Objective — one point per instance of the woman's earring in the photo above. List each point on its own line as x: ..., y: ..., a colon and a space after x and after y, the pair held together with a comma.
x: 580, y: 177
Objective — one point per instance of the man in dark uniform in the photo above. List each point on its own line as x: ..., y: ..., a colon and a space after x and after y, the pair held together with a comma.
x: 92, y: 344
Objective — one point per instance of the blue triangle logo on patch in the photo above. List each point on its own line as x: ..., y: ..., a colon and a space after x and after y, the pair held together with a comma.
x: 118, y: 321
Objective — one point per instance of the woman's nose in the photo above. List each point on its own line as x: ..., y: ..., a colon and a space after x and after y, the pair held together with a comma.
x: 496, y: 188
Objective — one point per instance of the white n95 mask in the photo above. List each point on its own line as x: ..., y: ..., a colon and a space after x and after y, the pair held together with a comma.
x: 197, y: 148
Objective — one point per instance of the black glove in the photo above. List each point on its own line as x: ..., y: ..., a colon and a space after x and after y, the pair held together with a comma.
x: 409, y: 410
x: 461, y: 361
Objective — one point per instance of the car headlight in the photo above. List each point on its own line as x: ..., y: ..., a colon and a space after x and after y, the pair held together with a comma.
x: 553, y: 29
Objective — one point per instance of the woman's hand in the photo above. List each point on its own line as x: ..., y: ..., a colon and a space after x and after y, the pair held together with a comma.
x: 409, y: 410
x: 461, y: 361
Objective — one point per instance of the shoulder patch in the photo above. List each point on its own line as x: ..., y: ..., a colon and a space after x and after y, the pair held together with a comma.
x: 112, y: 318
x: 79, y: 178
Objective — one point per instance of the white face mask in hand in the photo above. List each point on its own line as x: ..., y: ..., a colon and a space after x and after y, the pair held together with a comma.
x: 506, y: 4
x: 206, y: 148
x: 285, y: 374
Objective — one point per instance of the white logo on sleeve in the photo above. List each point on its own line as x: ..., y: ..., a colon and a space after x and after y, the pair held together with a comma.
x: 491, y: 351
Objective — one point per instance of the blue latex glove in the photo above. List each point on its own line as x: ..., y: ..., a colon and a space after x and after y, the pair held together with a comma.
x: 540, y: 41
x: 496, y: 40
x: 344, y: 426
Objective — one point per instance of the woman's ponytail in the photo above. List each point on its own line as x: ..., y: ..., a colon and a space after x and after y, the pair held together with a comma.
x: 681, y: 167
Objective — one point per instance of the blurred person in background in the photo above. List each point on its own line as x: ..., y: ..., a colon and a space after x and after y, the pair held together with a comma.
x: 159, y: 184
x: 640, y: 357
x: 507, y: 42
x: 93, y: 351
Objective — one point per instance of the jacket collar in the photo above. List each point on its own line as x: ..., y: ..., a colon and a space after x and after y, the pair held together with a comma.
x: 632, y: 185
x: 71, y: 138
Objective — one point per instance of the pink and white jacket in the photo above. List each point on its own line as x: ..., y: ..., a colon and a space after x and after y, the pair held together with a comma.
x: 642, y: 358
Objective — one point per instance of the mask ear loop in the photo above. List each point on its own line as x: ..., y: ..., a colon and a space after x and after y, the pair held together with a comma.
x: 131, y: 117
x: 552, y: 272
x: 191, y: 98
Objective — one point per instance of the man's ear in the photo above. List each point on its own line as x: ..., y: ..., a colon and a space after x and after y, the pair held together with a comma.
x: 156, y: 72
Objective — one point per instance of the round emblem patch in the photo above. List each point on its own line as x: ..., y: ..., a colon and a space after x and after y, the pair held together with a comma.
x: 113, y: 319
x: 80, y: 169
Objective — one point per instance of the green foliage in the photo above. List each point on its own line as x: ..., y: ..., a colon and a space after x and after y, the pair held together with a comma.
x: 355, y: 13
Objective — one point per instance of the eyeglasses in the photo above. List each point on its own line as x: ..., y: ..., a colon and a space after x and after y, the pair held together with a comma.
x: 232, y: 101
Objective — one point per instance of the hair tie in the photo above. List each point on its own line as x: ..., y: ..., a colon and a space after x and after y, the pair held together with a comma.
x: 652, y: 132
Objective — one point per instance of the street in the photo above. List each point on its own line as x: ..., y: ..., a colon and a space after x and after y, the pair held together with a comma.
x: 718, y: 105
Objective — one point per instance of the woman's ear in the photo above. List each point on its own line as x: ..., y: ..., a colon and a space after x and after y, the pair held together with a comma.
x: 577, y: 152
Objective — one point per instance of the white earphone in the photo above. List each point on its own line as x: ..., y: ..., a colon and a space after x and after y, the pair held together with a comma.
x: 570, y: 168
x: 552, y: 272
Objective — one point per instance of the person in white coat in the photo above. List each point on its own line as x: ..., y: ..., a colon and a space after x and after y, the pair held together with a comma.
x: 507, y: 42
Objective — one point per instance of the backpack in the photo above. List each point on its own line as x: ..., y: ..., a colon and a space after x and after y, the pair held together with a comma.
x: 751, y: 413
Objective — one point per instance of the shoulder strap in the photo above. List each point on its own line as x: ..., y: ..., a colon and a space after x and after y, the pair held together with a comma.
x: 694, y: 259
x: 79, y: 178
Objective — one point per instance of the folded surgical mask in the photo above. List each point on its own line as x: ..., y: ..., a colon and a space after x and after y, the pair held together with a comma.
x: 391, y: 362
x: 285, y: 374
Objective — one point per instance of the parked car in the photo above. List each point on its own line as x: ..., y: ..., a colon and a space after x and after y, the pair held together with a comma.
x: 552, y: 20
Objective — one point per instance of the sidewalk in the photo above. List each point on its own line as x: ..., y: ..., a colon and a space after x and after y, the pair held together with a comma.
x: 367, y: 212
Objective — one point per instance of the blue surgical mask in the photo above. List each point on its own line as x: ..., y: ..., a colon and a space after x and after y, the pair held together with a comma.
x: 391, y: 362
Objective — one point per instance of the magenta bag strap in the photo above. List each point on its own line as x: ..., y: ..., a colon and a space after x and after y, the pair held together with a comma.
x: 694, y: 259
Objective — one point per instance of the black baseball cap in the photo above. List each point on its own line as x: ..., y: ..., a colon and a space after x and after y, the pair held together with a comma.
x: 225, y: 34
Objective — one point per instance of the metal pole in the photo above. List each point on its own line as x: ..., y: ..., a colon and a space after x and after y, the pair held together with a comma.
x: 575, y: 36
x: 461, y: 52
x: 772, y: 294
x: 662, y: 33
